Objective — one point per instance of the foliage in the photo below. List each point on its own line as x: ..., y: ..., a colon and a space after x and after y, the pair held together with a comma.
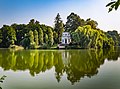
x: 1, y: 37
x: 115, y: 36
x: 46, y: 39
x: 92, y: 23
x: 20, y: 30
x: 29, y: 35
x: 31, y: 39
x: 35, y: 33
x: 50, y: 37
x: 73, y: 22
x: 40, y: 36
x: 113, y: 5
x: 84, y: 34
x: 25, y: 42
x: 8, y: 36
x: 86, y: 37
x: 59, y: 28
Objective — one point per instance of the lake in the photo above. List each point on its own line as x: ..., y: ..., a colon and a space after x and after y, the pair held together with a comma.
x: 60, y: 69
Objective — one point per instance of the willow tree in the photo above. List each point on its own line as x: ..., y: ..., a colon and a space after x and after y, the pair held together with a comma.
x: 86, y: 37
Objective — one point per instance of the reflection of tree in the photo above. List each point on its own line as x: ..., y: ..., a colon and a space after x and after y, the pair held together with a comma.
x: 59, y: 67
x: 75, y: 63
x: 86, y: 63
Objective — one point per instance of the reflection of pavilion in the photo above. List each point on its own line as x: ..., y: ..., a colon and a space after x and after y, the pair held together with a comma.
x: 66, y: 57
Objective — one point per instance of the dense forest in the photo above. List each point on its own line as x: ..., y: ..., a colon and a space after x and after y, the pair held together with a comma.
x: 84, y: 34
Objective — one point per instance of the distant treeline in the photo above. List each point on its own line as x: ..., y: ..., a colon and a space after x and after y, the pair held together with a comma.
x: 84, y: 34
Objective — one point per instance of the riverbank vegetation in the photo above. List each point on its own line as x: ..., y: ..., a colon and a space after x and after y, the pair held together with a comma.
x: 84, y: 34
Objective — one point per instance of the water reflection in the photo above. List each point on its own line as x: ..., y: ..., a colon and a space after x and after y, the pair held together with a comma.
x: 76, y: 64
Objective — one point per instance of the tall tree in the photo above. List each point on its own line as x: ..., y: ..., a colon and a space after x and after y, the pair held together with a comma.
x: 40, y: 36
x: 46, y: 38
x: 20, y: 32
x: 59, y: 27
x: 31, y: 39
x: 73, y: 22
x: 35, y: 33
x: 50, y: 37
x: 9, y: 36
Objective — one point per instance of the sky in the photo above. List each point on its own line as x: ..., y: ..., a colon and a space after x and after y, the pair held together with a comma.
x: 45, y: 11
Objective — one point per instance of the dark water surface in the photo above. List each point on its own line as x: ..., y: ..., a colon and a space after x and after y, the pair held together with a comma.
x: 60, y: 69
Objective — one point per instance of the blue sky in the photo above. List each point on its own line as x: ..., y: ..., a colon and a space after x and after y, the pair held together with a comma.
x: 21, y: 11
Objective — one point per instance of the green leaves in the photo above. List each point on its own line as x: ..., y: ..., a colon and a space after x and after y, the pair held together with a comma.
x: 2, y: 79
x: 87, y: 37
x: 113, y: 5
x: 73, y: 22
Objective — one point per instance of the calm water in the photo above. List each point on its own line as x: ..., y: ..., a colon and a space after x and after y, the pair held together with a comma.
x: 60, y: 69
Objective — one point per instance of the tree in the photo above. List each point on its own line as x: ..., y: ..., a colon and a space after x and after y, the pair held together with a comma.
x: 35, y: 33
x: 20, y: 30
x: 9, y: 36
x: 55, y: 37
x: 1, y: 37
x: 87, y: 37
x: 73, y: 22
x: 46, y: 39
x: 115, y: 36
x: 113, y: 5
x: 31, y: 39
x: 40, y: 36
x: 59, y: 27
x: 75, y: 38
x: 119, y: 40
x: 32, y: 21
x: 50, y: 37
x: 92, y: 23
x: 25, y: 42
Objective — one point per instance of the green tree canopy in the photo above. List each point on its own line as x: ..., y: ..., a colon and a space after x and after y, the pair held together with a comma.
x: 86, y: 37
x: 73, y: 22
x: 8, y: 36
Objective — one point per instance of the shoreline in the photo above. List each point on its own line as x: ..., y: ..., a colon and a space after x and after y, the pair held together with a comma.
x: 19, y: 48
